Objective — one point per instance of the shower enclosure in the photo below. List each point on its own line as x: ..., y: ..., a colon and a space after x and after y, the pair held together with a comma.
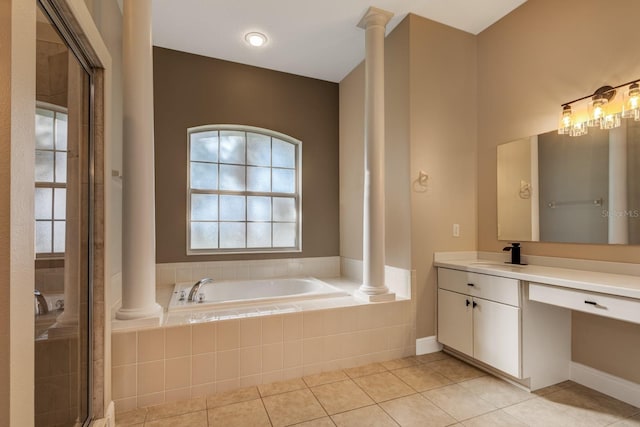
x: 63, y: 225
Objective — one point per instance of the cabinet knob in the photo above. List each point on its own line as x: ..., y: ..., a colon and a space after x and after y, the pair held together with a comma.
x: 475, y: 304
x: 468, y: 302
x: 470, y: 284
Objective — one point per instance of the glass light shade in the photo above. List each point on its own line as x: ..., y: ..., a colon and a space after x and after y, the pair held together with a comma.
x: 597, y: 111
x: 611, y: 121
x: 579, y: 129
x: 631, y: 106
x: 566, y: 120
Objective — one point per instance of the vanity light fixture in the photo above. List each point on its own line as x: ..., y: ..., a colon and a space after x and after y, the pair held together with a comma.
x: 255, y: 39
x: 604, y: 109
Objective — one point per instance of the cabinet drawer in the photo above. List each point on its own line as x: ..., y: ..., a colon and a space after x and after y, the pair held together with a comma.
x: 499, y: 289
x: 590, y: 302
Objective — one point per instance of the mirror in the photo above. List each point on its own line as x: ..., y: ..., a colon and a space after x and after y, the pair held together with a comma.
x: 557, y: 188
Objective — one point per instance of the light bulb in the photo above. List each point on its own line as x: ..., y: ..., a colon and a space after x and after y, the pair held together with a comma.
x: 632, y: 102
x: 597, y: 111
x: 566, y: 120
x: 255, y: 39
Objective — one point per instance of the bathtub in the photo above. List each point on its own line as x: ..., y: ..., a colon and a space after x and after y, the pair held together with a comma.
x: 234, y: 293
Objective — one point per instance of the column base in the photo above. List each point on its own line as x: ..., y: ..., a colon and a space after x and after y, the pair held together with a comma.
x: 153, y: 311
x: 385, y: 297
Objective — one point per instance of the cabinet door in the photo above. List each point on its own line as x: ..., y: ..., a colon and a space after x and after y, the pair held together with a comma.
x: 496, y: 339
x: 455, y: 321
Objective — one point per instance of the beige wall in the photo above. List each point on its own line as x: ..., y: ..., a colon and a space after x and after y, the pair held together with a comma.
x: 430, y: 68
x: 545, y: 53
x: 191, y: 90
x: 17, y: 145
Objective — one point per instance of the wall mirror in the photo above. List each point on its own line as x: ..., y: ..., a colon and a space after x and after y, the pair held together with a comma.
x: 560, y: 188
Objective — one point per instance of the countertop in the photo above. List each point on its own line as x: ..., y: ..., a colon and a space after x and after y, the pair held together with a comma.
x: 606, y: 283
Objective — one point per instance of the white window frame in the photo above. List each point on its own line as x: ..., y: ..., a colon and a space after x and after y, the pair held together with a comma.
x: 56, y: 109
x: 297, y: 195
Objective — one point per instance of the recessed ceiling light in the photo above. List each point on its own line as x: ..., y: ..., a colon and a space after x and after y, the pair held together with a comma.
x: 256, y: 39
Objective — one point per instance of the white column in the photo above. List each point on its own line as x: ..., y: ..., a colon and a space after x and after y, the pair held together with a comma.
x: 618, y: 219
x: 138, y: 216
x: 373, y: 237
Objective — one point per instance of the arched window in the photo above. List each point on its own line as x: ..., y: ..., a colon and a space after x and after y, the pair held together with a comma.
x: 244, y: 190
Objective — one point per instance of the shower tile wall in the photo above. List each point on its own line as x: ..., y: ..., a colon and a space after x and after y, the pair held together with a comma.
x: 166, y: 364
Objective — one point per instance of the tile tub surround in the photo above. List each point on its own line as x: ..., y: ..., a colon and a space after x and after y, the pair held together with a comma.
x: 351, y: 397
x: 160, y: 365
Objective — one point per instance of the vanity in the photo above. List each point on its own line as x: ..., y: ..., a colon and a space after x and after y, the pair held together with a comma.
x: 515, y: 320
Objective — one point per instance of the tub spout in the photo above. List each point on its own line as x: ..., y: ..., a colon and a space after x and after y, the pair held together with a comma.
x: 41, y: 304
x: 196, y: 288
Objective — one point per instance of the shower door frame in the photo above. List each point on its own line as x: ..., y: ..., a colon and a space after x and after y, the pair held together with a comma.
x: 62, y: 15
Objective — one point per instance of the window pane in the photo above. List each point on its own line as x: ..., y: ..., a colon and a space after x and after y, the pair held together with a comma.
x: 44, y: 129
x: 232, y: 178
x: 204, y: 176
x: 61, y: 131
x: 283, y: 154
x: 58, y: 236
x: 61, y: 167
x: 259, y: 179
x: 284, y: 235
x: 232, y: 208
x: 232, y: 235
x: 204, y: 146
x: 43, y: 203
x: 258, y: 208
x: 258, y: 149
x: 284, y: 209
x: 204, y: 207
x: 259, y: 235
x: 232, y: 147
x: 44, y: 166
x: 204, y: 235
x: 60, y: 203
x: 43, y: 236
x: 284, y: 181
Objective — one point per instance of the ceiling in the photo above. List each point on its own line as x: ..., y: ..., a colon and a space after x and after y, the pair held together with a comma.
x: 316, y: 39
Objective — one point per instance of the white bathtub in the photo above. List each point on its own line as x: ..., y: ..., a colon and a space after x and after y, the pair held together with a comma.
x: 232, y: 293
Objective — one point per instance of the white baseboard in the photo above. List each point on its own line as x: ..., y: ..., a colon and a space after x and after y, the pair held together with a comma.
x: 427, y: 345
x: 621, y: 389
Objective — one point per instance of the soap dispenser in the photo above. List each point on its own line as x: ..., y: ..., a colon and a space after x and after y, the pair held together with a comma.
x: 515, y: 253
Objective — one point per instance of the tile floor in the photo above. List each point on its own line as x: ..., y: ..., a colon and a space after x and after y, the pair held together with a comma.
x: 430, y: 390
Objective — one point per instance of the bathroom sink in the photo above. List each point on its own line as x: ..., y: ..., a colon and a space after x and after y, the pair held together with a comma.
x: 495, y: 264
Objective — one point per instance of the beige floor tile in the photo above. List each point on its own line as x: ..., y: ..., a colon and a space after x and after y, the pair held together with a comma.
x: 193, y: 419
x: 628, y: 422
x: 432, y: 357
x: 494, y: 419
x: 421, y: 377
x: 591, y: 407
x: 383, y: 386
x: 400, y: 363
x: 542, y: 413
x: 370, y: 416
x: 497, y: 392
x: 552, y: 388
x: 455, y: 369
x: 320, y: 422
x: 234, y: 396
x: 416, y: 411
x: 281, y: 387
x: 324, y: 378
x: 341, y: 396
x: 459, y: 402
x: 131, y: 417
x: 249, y: 413
x: 176, y: 408
x: 293, y: 407
x: 361, y: 371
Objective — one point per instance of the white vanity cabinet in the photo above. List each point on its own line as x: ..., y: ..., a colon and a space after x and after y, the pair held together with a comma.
x: 479, y: 315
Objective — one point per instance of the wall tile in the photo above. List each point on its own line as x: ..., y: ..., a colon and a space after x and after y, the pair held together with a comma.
x: 292, y: 326
x: 272, y: 357
x: 150, y: 345
x: 177, y: 373
x: 123, y: 381
x: 227, y: 385
x: 203, y: 390
x: 227, y: 364
x: 203, y: 368
x: 250, y: 332
x: 150, y: 377
x: 250, y: 361
x: 203, y: 338
x: 177, y: 341
x: 312, y: 351
x: 292, y: 354
x: 272, y: 329
x: 177, y: 395
x: 228, y: 335
x: 312, y: 324
x: 150, y: 399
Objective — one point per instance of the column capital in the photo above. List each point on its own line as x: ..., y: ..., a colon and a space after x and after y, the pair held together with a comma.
x: 374, y: 16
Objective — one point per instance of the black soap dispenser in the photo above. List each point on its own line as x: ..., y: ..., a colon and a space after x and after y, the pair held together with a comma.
x: 515, y: 253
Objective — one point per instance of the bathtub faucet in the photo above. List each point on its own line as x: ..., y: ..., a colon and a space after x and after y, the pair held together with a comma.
x: 196, y: 288
x: 41, y: 303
